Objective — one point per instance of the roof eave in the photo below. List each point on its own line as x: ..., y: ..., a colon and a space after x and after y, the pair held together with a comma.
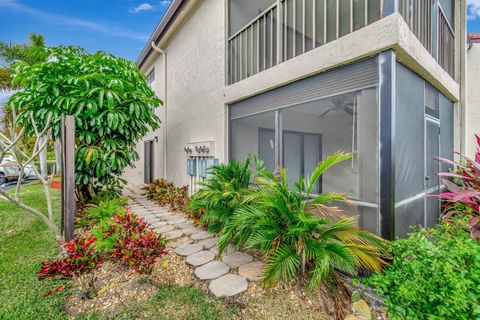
x: 167, y: 20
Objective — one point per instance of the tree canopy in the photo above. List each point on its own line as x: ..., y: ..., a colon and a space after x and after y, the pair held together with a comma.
x: 112, y: 103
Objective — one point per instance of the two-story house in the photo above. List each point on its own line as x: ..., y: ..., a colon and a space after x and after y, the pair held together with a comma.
x: 295, y: 80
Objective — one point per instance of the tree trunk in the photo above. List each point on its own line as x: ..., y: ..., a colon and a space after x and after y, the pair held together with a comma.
x: 43, y: 156
x: 58, y: 155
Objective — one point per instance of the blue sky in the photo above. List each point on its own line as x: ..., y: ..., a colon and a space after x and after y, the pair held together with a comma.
x: 120, y: 27
x: 473, y: 16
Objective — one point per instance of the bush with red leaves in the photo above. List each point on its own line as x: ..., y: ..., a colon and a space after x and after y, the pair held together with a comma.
x: 135, y: 245
x: 81, y: 261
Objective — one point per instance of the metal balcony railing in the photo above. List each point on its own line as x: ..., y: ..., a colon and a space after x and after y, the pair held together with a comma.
x: 289, y: 28
x: 418, y: 15
x: 446, y: 44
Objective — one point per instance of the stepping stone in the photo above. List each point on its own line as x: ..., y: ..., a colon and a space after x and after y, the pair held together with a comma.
x: 228, y: 250
x: 173, y: 234
x: 201, y: 235
x: 228, y: 285
x: 165, y: 217
x: 189, y: 231
x: 180, y: 242
x: 185, y: 225
x: 211, y: 270
x: 160, y: 215
x: 252, y: 271
x: 199, y: 258
x: 158, y: 223
x: 208, y: 243
x: 188, y: 249
x: 165, y: 228
x: 237, y: 259
x: 176, y: 221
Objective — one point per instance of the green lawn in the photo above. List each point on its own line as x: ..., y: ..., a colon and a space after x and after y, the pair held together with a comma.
x: 25, y: 242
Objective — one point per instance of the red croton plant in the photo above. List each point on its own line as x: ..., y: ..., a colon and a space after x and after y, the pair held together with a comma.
x: 136, y: 246
x: 463, y: 187
x: 80, y: 261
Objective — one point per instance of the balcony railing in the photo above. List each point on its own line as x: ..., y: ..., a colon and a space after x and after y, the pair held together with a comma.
x: 446, y: 44
x: 289, y: 28
x: 254, y: 47
x: 300, y: 25
x: 418, y: 15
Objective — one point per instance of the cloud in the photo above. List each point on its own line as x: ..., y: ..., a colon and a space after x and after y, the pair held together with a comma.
x: 63, y: 20
x: 142, y: 7
x: 473, y: 8
x: 150, y: 7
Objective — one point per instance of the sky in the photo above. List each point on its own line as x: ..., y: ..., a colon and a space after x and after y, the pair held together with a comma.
x: 120, y: 27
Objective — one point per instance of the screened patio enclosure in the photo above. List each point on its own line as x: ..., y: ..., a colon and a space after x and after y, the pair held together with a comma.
x: 349, y: 109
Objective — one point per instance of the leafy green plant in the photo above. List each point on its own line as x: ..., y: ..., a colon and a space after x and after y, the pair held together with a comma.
x: 104, y: 210
x: 278, y: 221
x: 110, y: 99
x: 434, y: 275
x: 223, y: 192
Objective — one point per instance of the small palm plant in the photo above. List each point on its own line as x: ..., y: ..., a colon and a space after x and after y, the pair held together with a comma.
x: 223, y: 191
x: 277, y: 220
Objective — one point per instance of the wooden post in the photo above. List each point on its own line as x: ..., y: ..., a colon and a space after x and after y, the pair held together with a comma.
x: 68, y: 176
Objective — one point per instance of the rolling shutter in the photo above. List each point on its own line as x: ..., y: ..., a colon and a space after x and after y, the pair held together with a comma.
x: 353, y: 77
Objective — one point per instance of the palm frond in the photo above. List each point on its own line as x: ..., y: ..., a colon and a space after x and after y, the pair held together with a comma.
x: 333, y: 159
x: 283, y: 263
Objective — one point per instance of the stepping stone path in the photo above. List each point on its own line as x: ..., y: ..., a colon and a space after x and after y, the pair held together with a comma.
x: 227, y: 277
x: 228, y: 285
x: 199, y: 258
x: 211, y: 270
x: 237, y: 259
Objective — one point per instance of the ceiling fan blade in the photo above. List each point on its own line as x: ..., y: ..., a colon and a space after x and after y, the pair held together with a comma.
x: 325, y: 112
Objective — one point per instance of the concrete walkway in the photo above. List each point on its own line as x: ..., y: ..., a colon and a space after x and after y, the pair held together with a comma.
x: 228, y: 275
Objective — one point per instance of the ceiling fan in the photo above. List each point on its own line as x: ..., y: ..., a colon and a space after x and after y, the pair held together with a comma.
x: 339, y: 104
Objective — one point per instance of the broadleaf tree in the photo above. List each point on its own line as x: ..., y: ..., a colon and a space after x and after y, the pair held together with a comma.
x: 112, y: 103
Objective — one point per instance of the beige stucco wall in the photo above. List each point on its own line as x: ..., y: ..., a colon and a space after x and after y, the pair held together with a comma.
x: 195, y: 82
x: 473, y: 98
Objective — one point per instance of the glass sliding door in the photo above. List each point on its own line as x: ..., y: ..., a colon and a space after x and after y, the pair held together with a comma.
x: 254, y: 135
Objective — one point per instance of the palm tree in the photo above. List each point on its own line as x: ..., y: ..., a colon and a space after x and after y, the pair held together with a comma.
x: 223, y: 191
x: 279, y: 222
x: 29, y: 53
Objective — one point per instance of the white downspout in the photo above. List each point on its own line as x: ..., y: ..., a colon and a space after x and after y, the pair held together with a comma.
x: 164, y: 55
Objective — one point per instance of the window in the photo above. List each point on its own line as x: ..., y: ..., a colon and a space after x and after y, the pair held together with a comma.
x: 254, y: 135
x: 151, y: 78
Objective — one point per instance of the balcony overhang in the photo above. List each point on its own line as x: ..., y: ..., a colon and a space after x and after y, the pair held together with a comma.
x: 388, y: 33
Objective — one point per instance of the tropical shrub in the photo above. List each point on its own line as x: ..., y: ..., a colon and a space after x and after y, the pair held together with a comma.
x: 463, y: 191
x: 129, y: 241
x: 136, y: 246
x: 223, y: 192
x: 278, y: 222
x: 102, y: 211
x: 165, y: 193
x: 81, y: 261
x: 434, y: 275
x: 110, y: 99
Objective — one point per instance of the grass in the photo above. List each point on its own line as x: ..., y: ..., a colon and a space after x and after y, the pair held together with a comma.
x: 174, y: 302
x: 25, y: 242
